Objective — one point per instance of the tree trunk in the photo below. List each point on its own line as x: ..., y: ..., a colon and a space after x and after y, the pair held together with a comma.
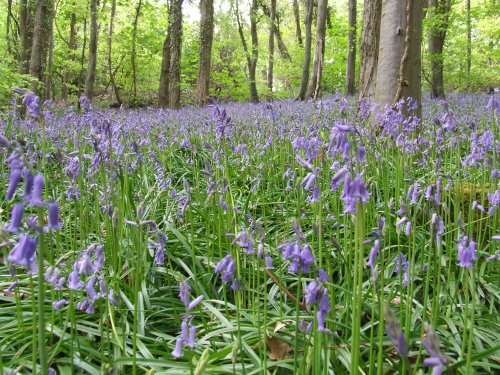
x: 25, y: 33
x: 206, y: 38
x: 351, y: 56
x: 270, y: 59
x: 81, y: 81
x: 281, y: 45
x: 7, y: 27
x: 165, y: 67
x: 439, y: 12
x: 313, y: 89
x: 71, y: 57
x: 469, y: 43
x: 370, y: 35
x: 307, y: 51
x: 253, y: 56
x: 296, y: 14
x: 133, y: 53
x: 92, y: 65
x: 49, y: 94
x: 110, y: 49
x: 399, y: 62
x: 36, y: 64
x: 174, y: 76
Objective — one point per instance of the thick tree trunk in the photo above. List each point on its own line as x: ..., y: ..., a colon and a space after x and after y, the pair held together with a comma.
x: 370, y: 35
x: 110, y: 49
x: 307, y: 51
x: 399, y: 61
x: 37, y: 61
x: 270, y: 58
x: 133, y: 53
x: 174, y: 76
x: 71, y: 57
x: 351, y: 55
x: 206, y: 39
x: 296, y: 15
x: 313, y: 89
x: 92, y: 65
x: 439, y: 12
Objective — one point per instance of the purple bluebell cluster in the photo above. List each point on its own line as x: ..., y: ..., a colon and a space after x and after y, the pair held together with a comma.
x: 395, y: 334
x: 188, y: 330
x: 401, y: 266
x: 466, y: 252
x: 431, y: 344
x: 316, y: 294
x: 87, y: 274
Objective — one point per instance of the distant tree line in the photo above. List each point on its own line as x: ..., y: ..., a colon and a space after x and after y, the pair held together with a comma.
x: 68, y: 47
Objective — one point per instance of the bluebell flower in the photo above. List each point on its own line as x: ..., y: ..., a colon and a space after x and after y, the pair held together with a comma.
x: 16, y: 217
x: 466, y: 252
x: 431, y: 344
x: 14, y: 179
x: 177, y: 352
x: 228, y: 272
x: 74, y: 281
x: 57, y: 305
x: 23, y: 253
x: 54, y: 223
x: 194, y: 303
x: 90, y: 288
x: 236, y: 285
x: 28, y: 183
x: 269, y: 262
x: 395, y: 334
x: 30, y: 100
x: 184, y: 290
x: 36, y: 197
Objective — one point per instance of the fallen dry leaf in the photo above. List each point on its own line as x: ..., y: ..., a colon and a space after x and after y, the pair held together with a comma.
x: 278, y: 349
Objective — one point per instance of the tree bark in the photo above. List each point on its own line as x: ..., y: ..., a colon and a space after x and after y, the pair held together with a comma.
x: 399, y: 61
x: 71, y: 57
x: 92, y: 65
x: 469, y: 42
x: 370, y: 35
x: 49, y: 94
x: 110, y: 49
x: 39, y: 44
x: 313, y: 89
x: 7, y: 26
x: 206, y: 39
x: 251, y: 56
x: 81, y: 81
x: 25, y: 34
x: 439, y: 12
x: 281, y: 45
x: 270, y: 58
x: 133, y: 53
x: 296, y: 14
x: 351, y: 55
x: 174, y: 73
x: 307, y: 51
x: 165, y: 67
